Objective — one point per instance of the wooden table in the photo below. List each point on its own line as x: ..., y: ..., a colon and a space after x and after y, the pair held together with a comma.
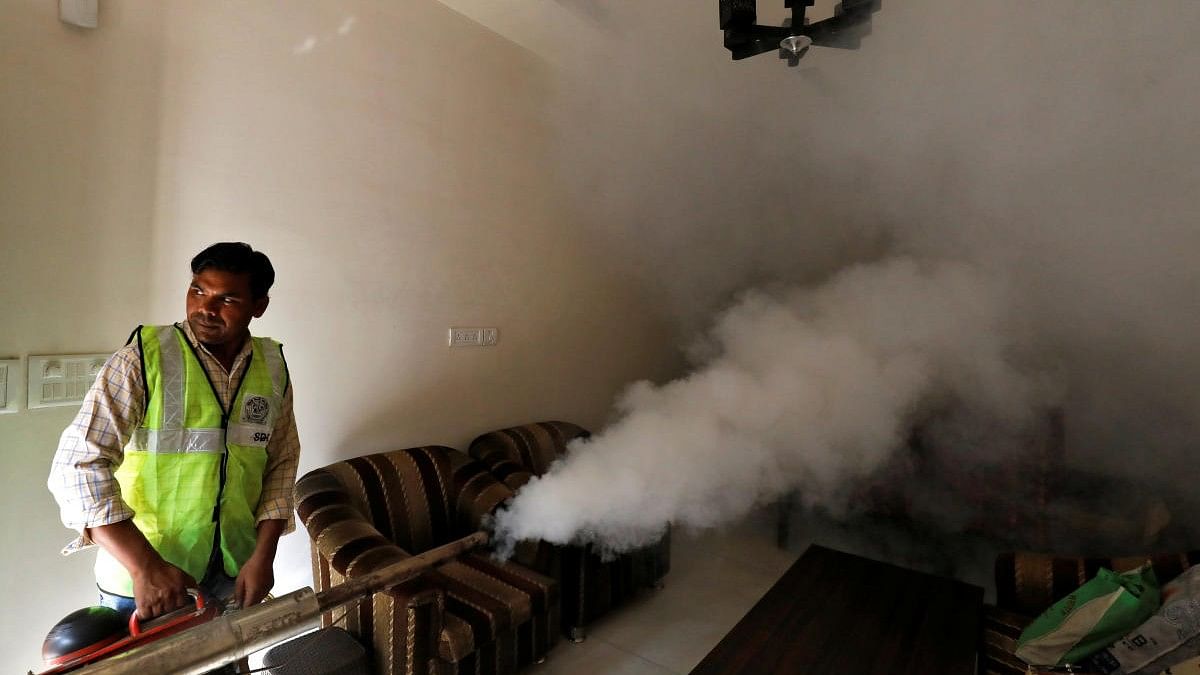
x: 840, y: 614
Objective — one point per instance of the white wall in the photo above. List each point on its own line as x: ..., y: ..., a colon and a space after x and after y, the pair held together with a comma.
x: 78, y: 148
x: 391, y: 158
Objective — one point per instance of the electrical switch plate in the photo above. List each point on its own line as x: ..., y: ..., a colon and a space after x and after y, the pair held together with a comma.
x: 10, y: 385
x: 82, y: 13
x: 62, y: 380
x: 474, y: 337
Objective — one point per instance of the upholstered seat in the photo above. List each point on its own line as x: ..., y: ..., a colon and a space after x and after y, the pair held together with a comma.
x: 470, y: 615
x: 591, y: 584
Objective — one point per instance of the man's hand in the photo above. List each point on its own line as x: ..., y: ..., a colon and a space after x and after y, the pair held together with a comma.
x: 254, y: 581
x: 159, y: 587
x: 257, y: 576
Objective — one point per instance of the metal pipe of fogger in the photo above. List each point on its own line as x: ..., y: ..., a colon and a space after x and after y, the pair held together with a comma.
x: 231, y: 637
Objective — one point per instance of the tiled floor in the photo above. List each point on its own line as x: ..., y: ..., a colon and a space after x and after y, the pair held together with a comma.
x: 717, y: 576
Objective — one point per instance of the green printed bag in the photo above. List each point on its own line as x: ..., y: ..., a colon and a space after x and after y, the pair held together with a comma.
x: 1096, y: 615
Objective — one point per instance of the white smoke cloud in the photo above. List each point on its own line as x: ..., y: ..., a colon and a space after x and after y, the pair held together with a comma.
x: 1053, y: 141
x: 810, y: 389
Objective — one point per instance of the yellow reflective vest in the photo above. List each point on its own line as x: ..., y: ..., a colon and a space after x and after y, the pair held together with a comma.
x: 193, y: 471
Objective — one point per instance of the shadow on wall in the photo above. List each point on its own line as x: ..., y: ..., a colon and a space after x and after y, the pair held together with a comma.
x: 79, y: 189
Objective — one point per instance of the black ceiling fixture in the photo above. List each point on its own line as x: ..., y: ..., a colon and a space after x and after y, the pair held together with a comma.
x: 744, y: 37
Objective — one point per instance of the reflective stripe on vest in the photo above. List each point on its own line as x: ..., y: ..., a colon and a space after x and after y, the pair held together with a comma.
x: 190, y: 453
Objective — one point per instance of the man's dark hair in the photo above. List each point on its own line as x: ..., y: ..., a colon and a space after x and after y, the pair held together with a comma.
x: 239, y: 258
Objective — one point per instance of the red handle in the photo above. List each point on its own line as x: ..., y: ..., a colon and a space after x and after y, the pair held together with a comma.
x: 135, y: 625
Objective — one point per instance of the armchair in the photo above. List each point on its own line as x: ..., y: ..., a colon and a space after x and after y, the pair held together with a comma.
x: 590, y: 585
x: 471, y: 615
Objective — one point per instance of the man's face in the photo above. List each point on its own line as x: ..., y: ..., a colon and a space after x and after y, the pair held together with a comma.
x: 220, y: 307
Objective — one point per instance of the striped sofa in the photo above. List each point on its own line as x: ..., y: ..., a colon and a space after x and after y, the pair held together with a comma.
x: 591, y: 585
x: 471, y: 615
x: 1028, y: 583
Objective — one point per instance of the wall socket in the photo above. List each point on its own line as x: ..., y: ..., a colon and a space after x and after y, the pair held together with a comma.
x: 10, y: 385
x: 474, y: 337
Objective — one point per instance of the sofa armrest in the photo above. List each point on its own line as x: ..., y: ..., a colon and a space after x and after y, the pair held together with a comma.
x: 479, y: 493
x: 347, y: 541
x: 346, y: 544
x: 340, y: 532
x: 998, y: 642
x: 516, y: 454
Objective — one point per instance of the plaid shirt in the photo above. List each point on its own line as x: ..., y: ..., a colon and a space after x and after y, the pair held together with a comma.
x: 92, y: 447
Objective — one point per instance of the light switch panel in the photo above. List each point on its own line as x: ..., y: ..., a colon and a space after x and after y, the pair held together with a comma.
x: 62, y: 380
x: 474, y: 337
x: 10, y: 385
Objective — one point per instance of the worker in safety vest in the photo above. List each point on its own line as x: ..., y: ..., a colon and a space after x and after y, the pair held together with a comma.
x: 181, y: 461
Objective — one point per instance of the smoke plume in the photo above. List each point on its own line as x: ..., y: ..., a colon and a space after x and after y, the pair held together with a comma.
x: 806, y: 389
x: 1052, y: 143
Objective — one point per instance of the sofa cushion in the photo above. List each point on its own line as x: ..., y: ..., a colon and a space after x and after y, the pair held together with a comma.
x: 486, y: 600
x: 456, y: 639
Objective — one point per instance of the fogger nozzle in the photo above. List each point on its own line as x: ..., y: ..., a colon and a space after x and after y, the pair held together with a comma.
x: 228, y: 638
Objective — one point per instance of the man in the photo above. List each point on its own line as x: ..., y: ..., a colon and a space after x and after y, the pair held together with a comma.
x: 181, y: 461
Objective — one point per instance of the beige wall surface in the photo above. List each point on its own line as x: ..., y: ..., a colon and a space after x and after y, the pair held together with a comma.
x: 391, y: 158
x: 78, y: 150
